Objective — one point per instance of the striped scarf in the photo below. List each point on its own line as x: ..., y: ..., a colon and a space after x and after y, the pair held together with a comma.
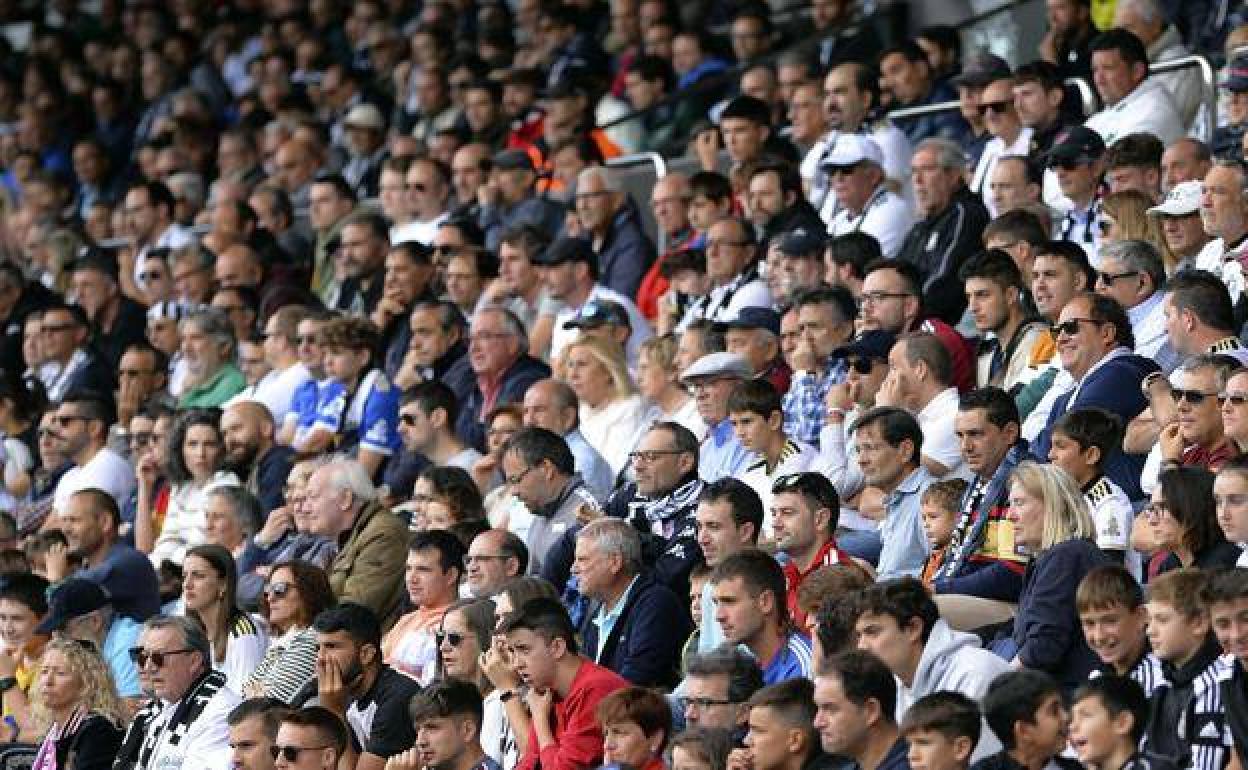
x: 145, y: 734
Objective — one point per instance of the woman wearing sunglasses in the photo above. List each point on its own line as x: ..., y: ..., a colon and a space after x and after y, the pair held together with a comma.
x: 210, y: 593
x: 296, y: 593
x: 76, y: 708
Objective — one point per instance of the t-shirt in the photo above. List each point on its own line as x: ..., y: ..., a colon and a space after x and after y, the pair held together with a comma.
x: 379, y: 719
x: 371, y: 417
x: 108, y: 471
x: 793, y: 660
x: 303, y: 406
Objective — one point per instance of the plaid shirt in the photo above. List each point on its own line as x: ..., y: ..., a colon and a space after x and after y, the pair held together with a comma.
x: 804, y: 407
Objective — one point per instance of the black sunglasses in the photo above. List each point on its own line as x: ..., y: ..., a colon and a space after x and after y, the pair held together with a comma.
x: 1071, y: 327
x: 999, y: 107
x: 291, y: 753
x: 450, y: 636
x: 141, y: 656
x: 861, y: 365
x: 277, y: 590
x: 1193, y: 397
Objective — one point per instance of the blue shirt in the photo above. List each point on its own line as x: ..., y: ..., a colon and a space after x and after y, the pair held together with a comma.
x: 372, y: 414
x: 303, y: 405
x: 122, y: 635
x: 794, y: 660
x: 594, y: 470
x: 710, y: 635
x: 904, y: 544
x: 607, y: 618
x: 722, y: 454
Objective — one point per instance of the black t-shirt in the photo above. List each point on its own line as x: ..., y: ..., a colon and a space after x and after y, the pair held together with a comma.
x: 379, y: 720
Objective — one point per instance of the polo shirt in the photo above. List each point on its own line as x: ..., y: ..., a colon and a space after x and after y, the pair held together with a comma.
x: 226, y: 383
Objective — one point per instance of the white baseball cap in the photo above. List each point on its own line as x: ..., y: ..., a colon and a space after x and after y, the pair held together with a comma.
x: 1182, y: 200
x: 850, y: 149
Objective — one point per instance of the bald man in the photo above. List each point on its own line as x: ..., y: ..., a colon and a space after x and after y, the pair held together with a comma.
x: 252, y: 453
x: 238, y: 265
x: 551, y: 404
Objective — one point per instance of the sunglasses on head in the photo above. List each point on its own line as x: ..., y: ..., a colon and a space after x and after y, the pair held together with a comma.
x: 450, y: 636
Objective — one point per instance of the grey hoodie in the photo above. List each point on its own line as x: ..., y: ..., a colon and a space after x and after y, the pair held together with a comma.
x: 953, y: 660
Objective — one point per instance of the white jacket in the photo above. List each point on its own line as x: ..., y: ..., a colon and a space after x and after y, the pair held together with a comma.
x: 886, y: 216
x: 1148, y: 109
x: 1184, y: 85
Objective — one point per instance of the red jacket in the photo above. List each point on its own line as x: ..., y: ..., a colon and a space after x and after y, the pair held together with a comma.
x: 578, y: 737
x: 793, y: 577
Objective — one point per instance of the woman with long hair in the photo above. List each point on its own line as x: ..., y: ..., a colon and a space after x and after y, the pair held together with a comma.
x: 295, y: 594
x: 210, y: 592
x: 1124, y: 217
x: 75, y: 706
x: 1185, y: 523
x: 613, y: 414
x: 1052, y: 522
x: 194, y: 463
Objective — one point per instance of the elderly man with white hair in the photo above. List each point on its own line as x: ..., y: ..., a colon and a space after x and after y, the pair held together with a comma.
x: 861, y: 201
x: 611, y: 222
x: 342, y: 504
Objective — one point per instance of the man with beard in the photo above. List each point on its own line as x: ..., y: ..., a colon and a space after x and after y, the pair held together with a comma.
x: 253, y: 453
x: 90, y: 521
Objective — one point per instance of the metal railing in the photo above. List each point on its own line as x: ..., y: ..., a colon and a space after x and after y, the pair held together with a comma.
x: 636, y: 159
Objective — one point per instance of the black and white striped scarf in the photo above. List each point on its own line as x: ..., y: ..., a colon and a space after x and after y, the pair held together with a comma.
x: 144, y: 734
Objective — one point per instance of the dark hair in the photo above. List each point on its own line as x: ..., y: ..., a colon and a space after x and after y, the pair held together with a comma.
x: 175, y: 463
x: 1091, y: 427
x: 455, y: 487
x: 856, y: 249
x: 652, y: 68
x: 325, y: 721
x: 511, y: 546
x: 431, y: 396
x: 741, y: 669
x: 534, y: 445
x: 683, y: 440
x: 1138, y: 149
x: 907, y: 49
x: 744, y: 503
x: 902, y: 600
x: 359, y: 622
x: 1205, y: 296
x: 909, y: 274
x: 710, y: 745
x: 793, y: 700
x: 759, y: 397
x: 1013, y: 697
x: 710, y: 184
x: 91, y: 403
x: 760, y: 572
x: 1188, y: 490
x: 862, y: 676
x: 547, y: 618
x: 815, y: 489
x: 1227, y: 585
x: 1128, y: 46
x: 101, y: 499
x: 340, y: 185
x: 895, y: 426
x: 271, y: 711
x: 1039, y: 71
x: 450, y: 550
x: 838, y: 297
x: 993, y: 265
x: 1107, y: 310
x: 315, y: 593
x: 1119, y: 694
x: 999, y: 408
x: 221, y: 561
x: 643, y: 707
x: 447, y: 698
x: 1073, y: 253
x: 28, y: 589
x: 947, y: 712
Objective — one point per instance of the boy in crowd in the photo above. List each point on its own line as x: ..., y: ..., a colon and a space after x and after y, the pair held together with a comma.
x: 1228, y: 609
x: 939, y: 508
x: 757, y: 415
x: 1080, y: 442
x: 1107, y: 720
x: 942, y: 730
x: 447, y: 717
x: 1186, y: 718
x: 1111, y: 611
x: 1026, y: 712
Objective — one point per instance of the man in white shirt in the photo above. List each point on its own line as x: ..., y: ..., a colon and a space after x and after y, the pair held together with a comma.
x: 1179, y: 218
x: 1009, y: 135
x: 1134, y: 102
x: 855, y: 166
x: 82, y: 421
x: 185, y: 725
x: 281, y: 351
x: 428, y: 196
x: 1224, y: 211
x: 1133, y: 273
x: 920, y: 380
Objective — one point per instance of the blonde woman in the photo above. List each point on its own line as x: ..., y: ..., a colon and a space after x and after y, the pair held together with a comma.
x: 658, y: 379
x: 1051, y: 522
x: 1124, y: 217
x: 76, y: 708
x: 613, y: 413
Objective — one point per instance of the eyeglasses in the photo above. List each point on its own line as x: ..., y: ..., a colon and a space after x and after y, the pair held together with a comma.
x: 277, y: 590
x: 158, y: 659
x: 1236, y: 399
x: 651, y: 456
x: 995, y: 107
x: 876, y: 297
x: 1071, y: 327
x: 291, y: 753
x: 1193, y: 397
x: 701, y: 703
x: 1109, y: 278
x: 514, y: 481
x: 449, y: 636
x: 861, y: 365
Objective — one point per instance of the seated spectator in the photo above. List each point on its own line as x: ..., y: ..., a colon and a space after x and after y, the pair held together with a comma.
x: 76, y: 707
x: 754, y: 408
x: 1184, y: 524
x: 248, y: 430
x: 208, y: 348
x: 1124, y: 216
x: 1078, y: 161
x: 867, y: 367
x: 1198, y: 437
x: 209, y: 595
x: 1182, y: 228
x: 611, y: 222
x: 1134, y: 102
x: 202, y: 731
x: 435, y: 567
x: 80, y: 610
x: 231, y: 518
x: 858, y: 686
x: 940, y: 503
x: 1009, y: 333
x: 1026, y: 711
x: 436, y: 348
x: 493, y: 558
x: 1113, y: 616
x: 611, y: 413
x: 355, y: 685
x: 658, y: 379
x: 855, y: 165
x: 1008, y: 135
x: 1186, y: 707
x: 717, y: 686
x: 1134, y: 163
x: 749, y: 589
x: 629, y: 714
x: 701, y: 749
x: 68, y: 363
x: 1226, y: 597
x: 1098, y: 731
x: 565, y: 688
x: 907, y: 81
x: 732, y: 254
x: 511, y: 200
x: 463, y: 636
x: 499, y: 358
x: 944, y: 728
x: 447, y: 718
x: 1132, y: 273
x: 1051, y: 521
x: 318, y: 725
x: 1016, y: 182
x: 920, y: 380
x: 1081, y: 441
x: 296, y: 593
x: 825, y: 325
x: 427, y: 418
x: 81, y: 426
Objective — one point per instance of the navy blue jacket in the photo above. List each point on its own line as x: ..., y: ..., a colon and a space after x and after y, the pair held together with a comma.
x: 1046, y: 628
x: 626, y: 253
x: 645, y: 643
x: 516, y: 380
x: 1114, y: 387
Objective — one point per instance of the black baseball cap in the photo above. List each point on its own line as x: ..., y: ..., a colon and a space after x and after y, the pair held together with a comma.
x: 1078, y: 144
x: 567, y: 249
x: 72, y: 599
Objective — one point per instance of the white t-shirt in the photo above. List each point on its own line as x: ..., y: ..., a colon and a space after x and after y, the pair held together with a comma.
x: 277, y: 391
x: 939, y: 441
x: 420, y: 231
x: 108, y: 471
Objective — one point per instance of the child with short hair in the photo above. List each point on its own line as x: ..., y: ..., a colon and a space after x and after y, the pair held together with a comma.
x: 942, y: 730
x: 1082, y: 441
x: 756, y: 410
x: 1026, y: 711
x: 1228, y: 611
x: 939, y: 507
x: 1111, y: 611
x: 1107, y: 720
x: 1186, y: 719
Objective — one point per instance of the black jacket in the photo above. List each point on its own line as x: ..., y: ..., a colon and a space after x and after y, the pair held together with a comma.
x: 668, y: 559
x: 939, y: 245
x: 645, y: 642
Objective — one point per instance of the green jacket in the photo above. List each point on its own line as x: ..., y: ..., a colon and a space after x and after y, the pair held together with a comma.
x: 224, y: 385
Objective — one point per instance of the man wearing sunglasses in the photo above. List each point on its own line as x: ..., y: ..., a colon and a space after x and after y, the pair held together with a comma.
x: 82, y: 421
x: 862, y: 202
x: 312, y: 738
x: 185, y: 723
x: 1009, y: 136
x: 1133, y: 274
x: 1197, y: 437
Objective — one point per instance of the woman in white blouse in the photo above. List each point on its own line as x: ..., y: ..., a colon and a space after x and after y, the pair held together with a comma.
x: 209, y: 590
x: 613, y: 413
